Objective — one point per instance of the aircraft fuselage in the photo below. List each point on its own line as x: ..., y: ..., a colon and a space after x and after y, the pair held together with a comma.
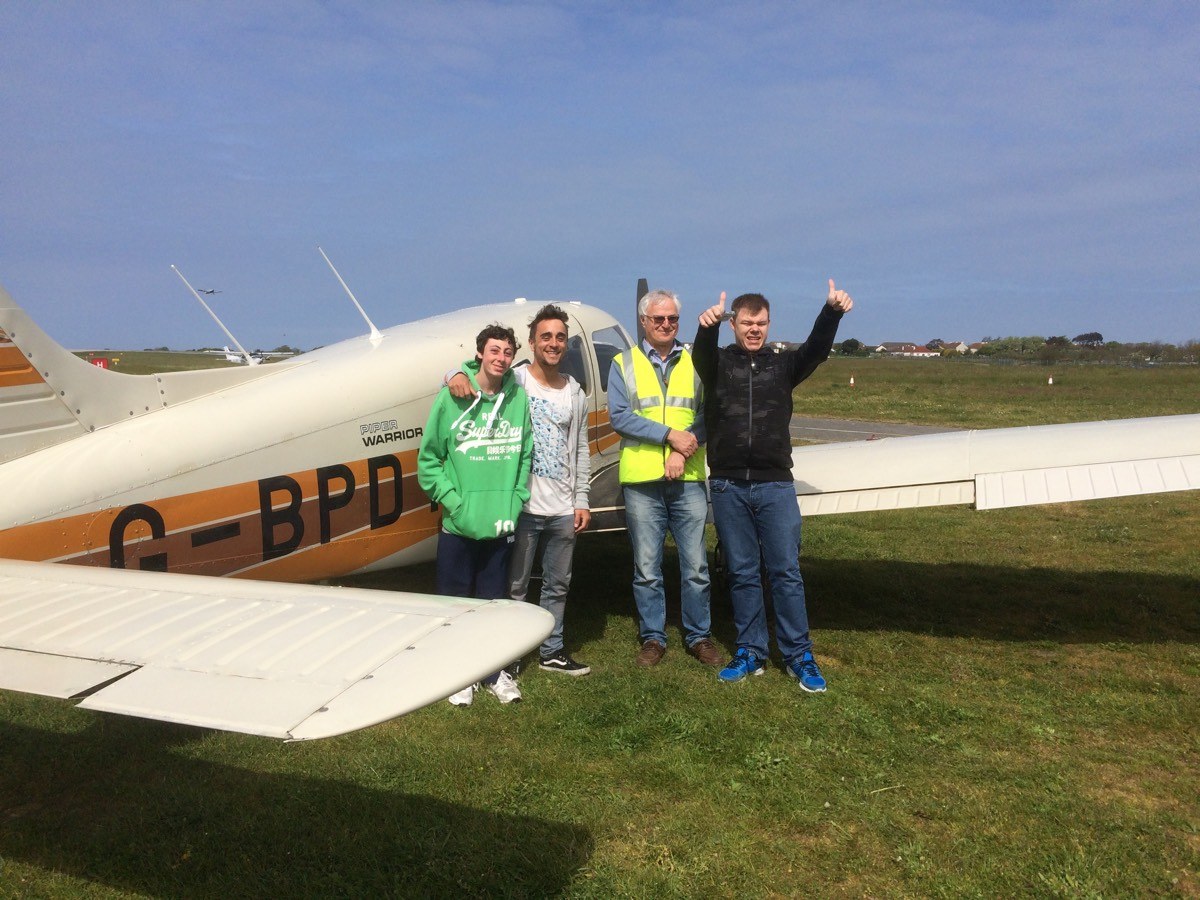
x: 305, y: 471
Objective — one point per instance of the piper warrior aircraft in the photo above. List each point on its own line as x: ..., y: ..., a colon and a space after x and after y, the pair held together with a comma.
x: 297, y: 471
x: 124, y: 494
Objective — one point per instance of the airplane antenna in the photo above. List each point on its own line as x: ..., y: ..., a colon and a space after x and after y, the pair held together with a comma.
x: 375, y: 335
x: 249, y: 359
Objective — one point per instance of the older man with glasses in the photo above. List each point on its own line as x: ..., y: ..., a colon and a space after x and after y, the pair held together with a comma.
x: 654, y: 401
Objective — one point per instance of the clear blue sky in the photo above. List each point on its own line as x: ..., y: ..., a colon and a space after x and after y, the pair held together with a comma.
x: 962, y: 169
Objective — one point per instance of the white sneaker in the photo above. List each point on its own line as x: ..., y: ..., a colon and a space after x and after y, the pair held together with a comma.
x: 505, y: 688
x: 465, y: 696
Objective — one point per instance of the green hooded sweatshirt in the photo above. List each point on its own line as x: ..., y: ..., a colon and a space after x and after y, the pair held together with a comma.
x: 475, y: 457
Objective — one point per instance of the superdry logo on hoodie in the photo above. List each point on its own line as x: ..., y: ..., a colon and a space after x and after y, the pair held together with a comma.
x: 500, y: 437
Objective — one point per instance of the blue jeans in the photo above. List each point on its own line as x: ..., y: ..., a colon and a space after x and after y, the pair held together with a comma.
x: 762, y: 517
x: 651, y: 509
x: 556, y: 536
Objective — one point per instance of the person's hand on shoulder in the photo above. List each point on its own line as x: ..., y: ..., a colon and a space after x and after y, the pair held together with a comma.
x: 460, y: 386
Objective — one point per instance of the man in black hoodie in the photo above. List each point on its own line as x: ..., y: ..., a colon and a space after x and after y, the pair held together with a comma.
x: 747, y: 410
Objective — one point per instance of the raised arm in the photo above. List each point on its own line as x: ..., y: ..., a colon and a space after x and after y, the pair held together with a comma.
x: 704, y: 348
x: 815, y: 349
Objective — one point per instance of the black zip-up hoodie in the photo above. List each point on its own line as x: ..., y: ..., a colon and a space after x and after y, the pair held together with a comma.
x: 748, y: 399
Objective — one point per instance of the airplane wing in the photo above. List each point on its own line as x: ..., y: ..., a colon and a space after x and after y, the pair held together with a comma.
x: 1002, y: 467
x: 287, y: 661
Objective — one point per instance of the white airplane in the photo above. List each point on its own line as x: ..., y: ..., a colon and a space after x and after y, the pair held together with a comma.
x: 254, y: 358
x: 295, y: 472
x: 234, y: 357
x: 123, y: 495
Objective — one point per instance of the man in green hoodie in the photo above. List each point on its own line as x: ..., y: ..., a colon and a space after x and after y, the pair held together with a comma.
x: 474, y: 461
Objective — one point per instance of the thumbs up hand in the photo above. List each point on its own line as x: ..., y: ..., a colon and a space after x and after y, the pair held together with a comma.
x: 839, y: 300
x: 714, y: 314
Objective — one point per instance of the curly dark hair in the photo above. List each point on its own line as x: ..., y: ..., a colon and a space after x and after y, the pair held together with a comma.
x: 496, y: 332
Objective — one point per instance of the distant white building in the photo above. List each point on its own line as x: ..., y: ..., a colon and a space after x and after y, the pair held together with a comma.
x: 900, y: 348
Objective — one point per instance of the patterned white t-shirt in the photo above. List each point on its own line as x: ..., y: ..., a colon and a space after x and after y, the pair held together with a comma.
x: 552, y: 479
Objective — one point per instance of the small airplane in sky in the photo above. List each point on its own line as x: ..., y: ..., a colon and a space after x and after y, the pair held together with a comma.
x: 208, y: 291
x: 124, y: 494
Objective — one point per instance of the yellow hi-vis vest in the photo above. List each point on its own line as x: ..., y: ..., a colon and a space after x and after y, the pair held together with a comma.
x: 641, y: 461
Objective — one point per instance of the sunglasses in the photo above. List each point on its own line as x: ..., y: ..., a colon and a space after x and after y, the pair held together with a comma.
x: 661, y: 320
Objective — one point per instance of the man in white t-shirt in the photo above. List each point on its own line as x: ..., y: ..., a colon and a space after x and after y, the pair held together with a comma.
x: 557, y: 509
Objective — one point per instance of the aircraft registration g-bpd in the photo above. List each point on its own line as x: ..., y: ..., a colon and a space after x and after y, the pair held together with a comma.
x: 306, y: 469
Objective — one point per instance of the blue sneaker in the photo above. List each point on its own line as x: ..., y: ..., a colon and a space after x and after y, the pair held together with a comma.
x: 806, y: 671
x: 743, y: 664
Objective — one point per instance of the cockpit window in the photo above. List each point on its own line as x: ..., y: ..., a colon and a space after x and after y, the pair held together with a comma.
x: 573, y: 363
x: 608, y: 343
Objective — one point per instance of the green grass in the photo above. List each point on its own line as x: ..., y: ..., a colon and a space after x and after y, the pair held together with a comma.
x: 149, y: 362
x: 977, y: 394
x: 1013, y: 710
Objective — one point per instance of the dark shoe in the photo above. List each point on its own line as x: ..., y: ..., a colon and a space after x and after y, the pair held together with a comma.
x: 651, y: 654
x: 560, y: 662
x: 706, y: 651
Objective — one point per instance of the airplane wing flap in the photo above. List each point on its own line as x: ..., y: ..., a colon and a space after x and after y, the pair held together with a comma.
x: 1001, y: 467
x: 54, y: 676
x: 260, y: 706
x: 256, y: 657
x: 1063, y: 484
x: 946, y: 493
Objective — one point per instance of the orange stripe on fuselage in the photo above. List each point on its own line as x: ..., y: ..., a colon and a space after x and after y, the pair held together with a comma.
x: 350, y: 553
x: 301, y: 526
x: 600, y: 431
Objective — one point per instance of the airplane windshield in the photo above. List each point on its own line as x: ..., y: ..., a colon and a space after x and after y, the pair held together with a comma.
x: 573, y: 363
x: 608, y: 343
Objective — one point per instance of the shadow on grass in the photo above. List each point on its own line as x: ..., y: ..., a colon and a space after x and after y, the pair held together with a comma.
x: 1002, y: 604
x: 946, y: 599
x: 116, y: 806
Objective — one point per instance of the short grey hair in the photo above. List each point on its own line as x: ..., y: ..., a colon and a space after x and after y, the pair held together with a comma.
x: 658, y: 297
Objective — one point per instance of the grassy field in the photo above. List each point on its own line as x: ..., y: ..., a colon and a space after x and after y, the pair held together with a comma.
x: 1014, y: 709
x: 979, y: 394
x: 149, y: 362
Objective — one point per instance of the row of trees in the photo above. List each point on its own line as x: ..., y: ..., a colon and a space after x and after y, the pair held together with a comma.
x: 1088, y: 347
